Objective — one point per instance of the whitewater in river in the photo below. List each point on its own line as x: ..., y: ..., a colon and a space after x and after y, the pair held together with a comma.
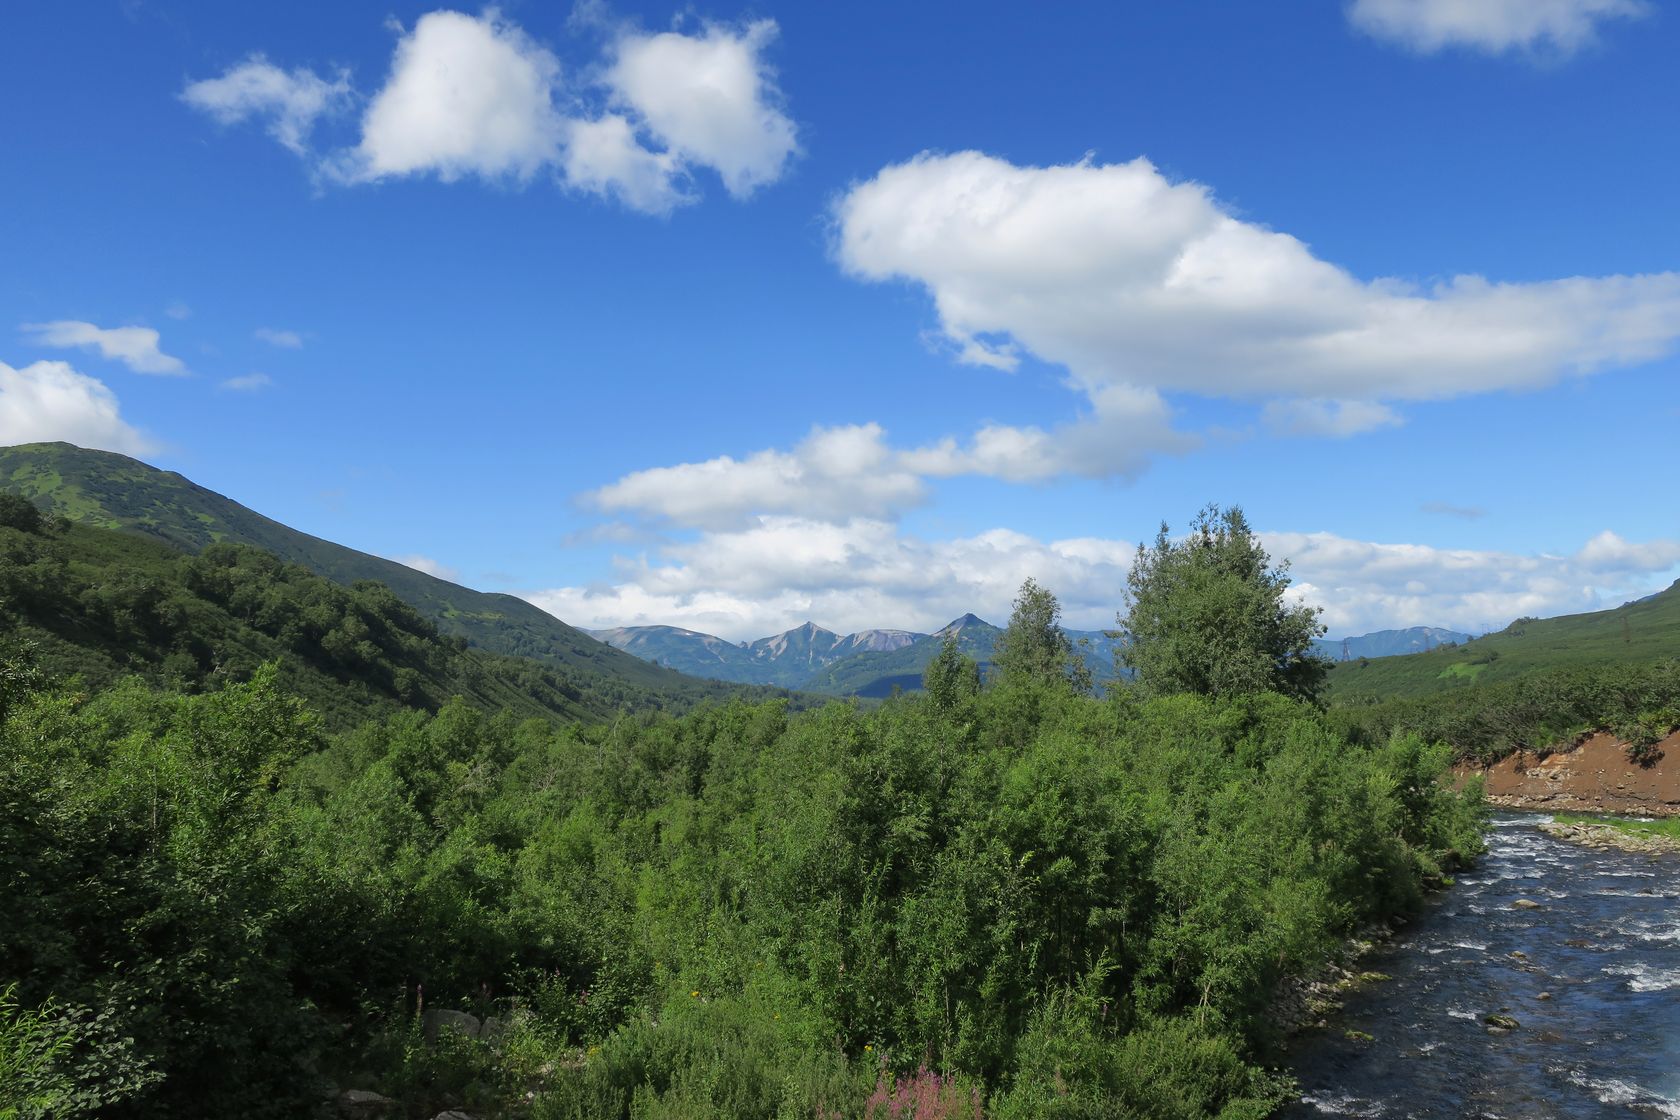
x: 1591, y: 976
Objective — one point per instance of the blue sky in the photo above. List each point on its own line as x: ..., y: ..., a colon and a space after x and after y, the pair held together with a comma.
x: 730, y: 317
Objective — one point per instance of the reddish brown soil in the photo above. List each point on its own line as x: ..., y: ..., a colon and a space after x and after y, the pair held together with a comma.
x: 1594, y: 776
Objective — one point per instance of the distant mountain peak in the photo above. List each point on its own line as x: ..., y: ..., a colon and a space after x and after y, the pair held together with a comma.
x: 958, y: 625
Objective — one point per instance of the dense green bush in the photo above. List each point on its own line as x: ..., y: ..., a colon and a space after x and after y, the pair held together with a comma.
x: 1018, y: 895
x: 1639, y: 702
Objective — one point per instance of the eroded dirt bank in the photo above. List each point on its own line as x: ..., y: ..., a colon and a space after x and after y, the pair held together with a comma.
x: 1594, y: 776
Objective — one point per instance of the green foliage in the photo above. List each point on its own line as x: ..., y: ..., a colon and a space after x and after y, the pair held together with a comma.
x: 952, y: 679
x: 33, y: 1045
x: 1016, y: 898
x: 18, y: 512
x: 1207, y: 614
x: 1034, y: 647
x: 1538, y: 711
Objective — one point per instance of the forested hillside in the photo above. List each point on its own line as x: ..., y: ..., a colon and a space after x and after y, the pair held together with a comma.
x: 100, y: 604
x: 113, y: 491
x: 1539, y: 684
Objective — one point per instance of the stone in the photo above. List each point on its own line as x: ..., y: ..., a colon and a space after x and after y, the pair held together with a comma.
x: 1525, y: 904
x: 1499, y: 1022
x: 453, y: 1114
x: 492, y: 1029
x: 363, y: 1102
x: 1544, y: 995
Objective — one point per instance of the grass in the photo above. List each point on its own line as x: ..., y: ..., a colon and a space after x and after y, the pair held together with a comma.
x: 1669, y: 828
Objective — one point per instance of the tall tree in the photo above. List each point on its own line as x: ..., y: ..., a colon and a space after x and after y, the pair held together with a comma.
x: 1034, y: 646
x: 1208, y: 614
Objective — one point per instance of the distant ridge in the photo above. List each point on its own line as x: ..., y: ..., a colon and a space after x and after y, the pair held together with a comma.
x: 1389, y: 643
x: 786, y: 660
x: 871, y: 663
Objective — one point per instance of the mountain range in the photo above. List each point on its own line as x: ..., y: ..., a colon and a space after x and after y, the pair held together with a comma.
x: 871, y: 663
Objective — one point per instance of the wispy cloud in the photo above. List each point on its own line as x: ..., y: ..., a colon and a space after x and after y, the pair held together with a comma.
x: 1558, y: 27
x: 284, y: 340
x: 289, y: 102
x: 249, y: 383
x: 1447, y: 509
x: 138, y: 348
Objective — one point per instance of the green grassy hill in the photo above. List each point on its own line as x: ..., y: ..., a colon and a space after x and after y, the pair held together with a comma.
x: 101, y: 489
x: 1642, y: 632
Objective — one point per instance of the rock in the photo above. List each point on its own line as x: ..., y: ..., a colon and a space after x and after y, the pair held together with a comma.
x: 1544, y: 995
x: 362, y: 1102
x: 1525, y: 904
x: 1519, y: 954
x: 1500, y: 1022
x: 453, y: 1114
x: 435, y: 1022
x: 492, y: 1029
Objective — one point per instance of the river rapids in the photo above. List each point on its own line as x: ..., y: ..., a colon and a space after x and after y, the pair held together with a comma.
x: 1591, y: 977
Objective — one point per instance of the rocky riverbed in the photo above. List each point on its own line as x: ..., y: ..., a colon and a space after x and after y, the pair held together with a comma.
x: 1544, y: 984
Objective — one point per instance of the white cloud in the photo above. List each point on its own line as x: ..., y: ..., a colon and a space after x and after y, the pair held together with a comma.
x: 178, y: 311
x: 248, y: 383
x: 1337, y: 419
x: 835, y: 473
x: 429, y: 566
x: 477, y: 96
x: 284, y: 340
x: 851, y: 471
x: 1609, y: 552
x: 291, y: 101
x: 49, y: 401
x: 1140, y: 285
x: 709, y: 99
x: 1125, y: 428
x: 858, y: 573
x: 848, y: 576
x: 604, y: 157
x: 1366, y: 586
x: 135, y: 347
x: 1492, y: 26
x: 466, y: 96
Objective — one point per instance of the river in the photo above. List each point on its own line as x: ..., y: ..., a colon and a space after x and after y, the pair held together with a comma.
x: 1604, y: 945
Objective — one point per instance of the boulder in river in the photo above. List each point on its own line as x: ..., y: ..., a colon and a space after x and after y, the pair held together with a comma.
x: 1498, y: 1022
x: 1525, y: 904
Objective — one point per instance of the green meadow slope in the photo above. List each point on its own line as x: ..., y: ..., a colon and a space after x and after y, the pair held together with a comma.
x: 1637, y: 633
